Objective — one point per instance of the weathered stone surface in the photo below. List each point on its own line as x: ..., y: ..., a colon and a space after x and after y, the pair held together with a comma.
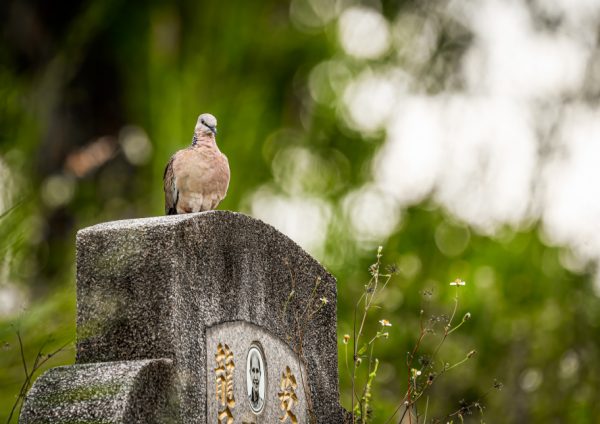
x: 110, y: 393
x: 150, y: 288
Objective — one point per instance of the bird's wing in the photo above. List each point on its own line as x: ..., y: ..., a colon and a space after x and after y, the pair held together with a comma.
x: 170, y: 187
x: 223, y: 176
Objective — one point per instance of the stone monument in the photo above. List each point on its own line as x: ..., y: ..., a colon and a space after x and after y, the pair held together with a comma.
x: 212, y: 317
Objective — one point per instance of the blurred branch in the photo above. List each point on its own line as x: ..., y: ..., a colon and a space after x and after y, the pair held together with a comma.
x: 12, y: 208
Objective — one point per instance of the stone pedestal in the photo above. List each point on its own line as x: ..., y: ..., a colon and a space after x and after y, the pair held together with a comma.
x: 223, y: 301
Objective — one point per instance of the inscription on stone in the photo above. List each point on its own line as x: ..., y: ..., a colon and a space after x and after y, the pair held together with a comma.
x: 224, y: 386
x: 287, y: 396
x: 269, y: 378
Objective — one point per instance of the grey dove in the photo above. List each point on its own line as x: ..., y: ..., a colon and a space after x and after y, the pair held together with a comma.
x: 196, y: 178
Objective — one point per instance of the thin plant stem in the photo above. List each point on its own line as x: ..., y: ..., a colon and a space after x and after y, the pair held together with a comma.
x: 449, y: 325
x: 23, y: 361
x: 39, y: 361
x: 408, y: 399
x: 367, y: 297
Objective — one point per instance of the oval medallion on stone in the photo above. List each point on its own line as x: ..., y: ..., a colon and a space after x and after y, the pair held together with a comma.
x: 255, y: 378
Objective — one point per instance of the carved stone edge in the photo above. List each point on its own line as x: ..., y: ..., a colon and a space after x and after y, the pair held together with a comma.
x: 110, y: 392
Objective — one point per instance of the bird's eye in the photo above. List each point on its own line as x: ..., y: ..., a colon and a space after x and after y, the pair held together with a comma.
x: 202, y: 121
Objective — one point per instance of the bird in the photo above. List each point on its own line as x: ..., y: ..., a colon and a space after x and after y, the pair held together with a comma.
x: 196, y: 178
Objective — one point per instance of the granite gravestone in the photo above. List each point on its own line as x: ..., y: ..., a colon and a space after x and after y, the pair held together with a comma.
x: 212, y: 317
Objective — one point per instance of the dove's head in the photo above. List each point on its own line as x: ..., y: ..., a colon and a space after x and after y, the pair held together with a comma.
x: 206, y: 125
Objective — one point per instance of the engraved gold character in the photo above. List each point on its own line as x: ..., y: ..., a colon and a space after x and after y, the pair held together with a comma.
x: 224, y: 383
x: 287, y: 396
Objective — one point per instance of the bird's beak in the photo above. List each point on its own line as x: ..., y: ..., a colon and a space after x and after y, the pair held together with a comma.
x: 213, y: 129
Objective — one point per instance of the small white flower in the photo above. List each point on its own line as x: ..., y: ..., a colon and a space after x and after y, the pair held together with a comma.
x: 458, y: 282
x: 324, y: 301
x: 385, y: 323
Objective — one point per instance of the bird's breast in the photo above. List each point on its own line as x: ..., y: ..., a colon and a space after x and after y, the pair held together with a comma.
x: 201, y: 171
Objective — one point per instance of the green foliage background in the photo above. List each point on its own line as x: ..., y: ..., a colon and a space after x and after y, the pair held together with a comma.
x: 73, y: 72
